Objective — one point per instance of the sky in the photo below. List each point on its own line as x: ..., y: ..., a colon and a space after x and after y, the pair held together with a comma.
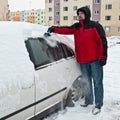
x: 15, y: 5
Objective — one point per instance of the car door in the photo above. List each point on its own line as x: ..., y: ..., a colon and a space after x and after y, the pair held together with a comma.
x: 17, y: 103
x: 51, y: 72
x: 72, y: 66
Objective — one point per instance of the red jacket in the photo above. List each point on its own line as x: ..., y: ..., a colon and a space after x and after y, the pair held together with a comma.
x: 90, y: 40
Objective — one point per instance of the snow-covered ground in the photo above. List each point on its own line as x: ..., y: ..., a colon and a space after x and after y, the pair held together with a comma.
x: 111, y: 108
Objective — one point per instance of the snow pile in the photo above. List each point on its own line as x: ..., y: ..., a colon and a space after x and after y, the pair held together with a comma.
x: 113, y: 40
x: 111, y: 107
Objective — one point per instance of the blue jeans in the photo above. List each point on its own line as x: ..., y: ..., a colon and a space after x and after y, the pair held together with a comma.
x: 93, y: 71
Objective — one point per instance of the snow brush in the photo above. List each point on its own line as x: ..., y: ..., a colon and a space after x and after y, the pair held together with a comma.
x: 47, y: 34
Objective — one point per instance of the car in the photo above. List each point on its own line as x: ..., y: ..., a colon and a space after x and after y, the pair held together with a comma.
x: 38, y: 73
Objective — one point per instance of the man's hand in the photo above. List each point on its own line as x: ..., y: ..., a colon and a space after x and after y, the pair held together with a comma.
x: 102, y: 62
x: 50, y: 29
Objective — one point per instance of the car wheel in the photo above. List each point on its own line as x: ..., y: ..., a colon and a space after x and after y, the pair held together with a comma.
x: 75, y: 92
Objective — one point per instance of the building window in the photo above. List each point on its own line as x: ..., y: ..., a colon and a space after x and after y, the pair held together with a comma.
x: 107, y: 17
x: 57, y: 22
x: 50, y: 9
x: 57, y: 4
x: 119, y: 17
x: 118, y: 29
x: 57, y: 13
x: 74, y: 8
x: 108, y: 6
x: 65, y: 0
x: 96, y: 12
x: 75, y: 18
x: 96, y: 1
x: 50, y: 1
x: 65, y: 8
x: 65, y: 17
x: 50, y: 18
x: 107, y: 28
x: 88, y: 6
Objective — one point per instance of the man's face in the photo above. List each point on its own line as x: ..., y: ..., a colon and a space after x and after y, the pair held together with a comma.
x: 81, y: 16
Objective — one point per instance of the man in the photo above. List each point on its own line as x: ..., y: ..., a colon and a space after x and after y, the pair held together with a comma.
x: 91, y: 53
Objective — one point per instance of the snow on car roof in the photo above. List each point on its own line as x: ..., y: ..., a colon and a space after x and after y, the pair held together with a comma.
x: 60, y: 38
x: 32, y: 30
x: 26, y: 29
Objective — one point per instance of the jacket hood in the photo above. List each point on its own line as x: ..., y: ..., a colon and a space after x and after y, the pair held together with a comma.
x: 86, y: 11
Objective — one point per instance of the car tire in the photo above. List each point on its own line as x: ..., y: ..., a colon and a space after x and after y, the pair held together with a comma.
x: 75, y: 92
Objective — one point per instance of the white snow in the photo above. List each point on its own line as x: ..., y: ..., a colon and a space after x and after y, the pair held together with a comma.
x: 20, y: 74
x: 111, y: 107
x: 16, y: 69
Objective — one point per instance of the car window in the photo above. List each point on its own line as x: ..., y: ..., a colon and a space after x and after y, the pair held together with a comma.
x: 37, y: 52
x: 67, y: 50
x: 55, y: 53
x: 42, y: 53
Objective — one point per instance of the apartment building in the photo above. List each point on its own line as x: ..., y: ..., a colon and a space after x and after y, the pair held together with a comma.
x: 32, y: 16
x: 110, y: 16
x: 4, y: 10
x: 23, y: 18
x: 96, y: 10
x: 9, y: 15
x: 63, y: 12
x: 68, y: 10
x: 40, y: 16
x: 16, y: 16
x: 49, y: 12
x: 42, y: 19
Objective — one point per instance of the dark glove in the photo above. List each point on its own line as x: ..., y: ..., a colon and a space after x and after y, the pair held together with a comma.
x: 102, y: 62
x: 50, y: 29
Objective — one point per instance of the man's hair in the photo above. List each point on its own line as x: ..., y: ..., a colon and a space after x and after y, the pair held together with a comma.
x: 86, y: 11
